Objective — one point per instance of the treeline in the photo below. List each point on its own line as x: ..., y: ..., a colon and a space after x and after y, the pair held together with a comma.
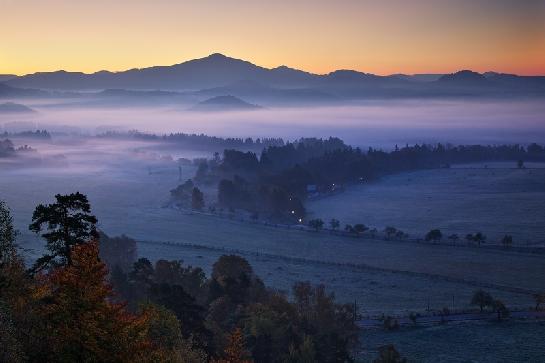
x: 278, y: 182
x: 199, y: 141
x: 68, y: 308
x: 39, y: 134
x: 6, y: 148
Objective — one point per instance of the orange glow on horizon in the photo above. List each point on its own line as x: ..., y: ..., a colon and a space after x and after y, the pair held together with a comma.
x: 319, y: 36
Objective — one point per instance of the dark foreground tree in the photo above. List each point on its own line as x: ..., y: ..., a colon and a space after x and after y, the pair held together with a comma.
x: 8, y: 248
x: 78, y: 323
x: 13, y: 287
x: 68, y: 222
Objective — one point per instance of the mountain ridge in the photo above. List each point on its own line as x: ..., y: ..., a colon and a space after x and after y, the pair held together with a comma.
x: 218, y: 71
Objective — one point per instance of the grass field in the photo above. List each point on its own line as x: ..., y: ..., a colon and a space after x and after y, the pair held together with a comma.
x: 386, y: 276
x: 484, y: 343
x: 373, y: 290
x: 496, y: 200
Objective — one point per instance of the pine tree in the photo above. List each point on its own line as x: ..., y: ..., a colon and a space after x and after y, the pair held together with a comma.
x: 69, y: 222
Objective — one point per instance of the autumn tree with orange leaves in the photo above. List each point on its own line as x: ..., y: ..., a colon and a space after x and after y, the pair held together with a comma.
x: 78, y: 319
x: 235, y: 352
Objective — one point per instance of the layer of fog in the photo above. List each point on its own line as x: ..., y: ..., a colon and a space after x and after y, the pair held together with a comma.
x: 373, y: 123
x: 128, y: 182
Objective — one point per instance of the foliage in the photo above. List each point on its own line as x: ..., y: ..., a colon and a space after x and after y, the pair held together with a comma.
x: 68, y: 222
x: 6, y: 148
x: 501, y: 310
x: 183, y: 192
x: 78, y: 321
x: 360, y: 228
x: 165, y: 335
x: 11, y: 349
x: 197, y: 199
x: 390, y: 231
x: 477, y: 237
x: 434, y: 235
x: 235, y: 352
x: 388, y: 354
x: 390, y: 323
x: 317, y: 224
x: 482, y: 299
x: 117, y: 251
x: 8, y: 246
x: 331, y: 325
x: 174, y: 313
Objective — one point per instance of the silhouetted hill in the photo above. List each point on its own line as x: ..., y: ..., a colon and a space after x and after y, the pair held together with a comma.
x: 423, y: 77
x: 212, y: 71
x: 522, y: 83
x: 258, y: 92
x: 10, y: 107
x: 12, y: 92
x: 350, y: 76
x: 224, y: 103
x: 218, y: 75
x: 464, y: 77
x: 6, y: 77
x: 117, y: 92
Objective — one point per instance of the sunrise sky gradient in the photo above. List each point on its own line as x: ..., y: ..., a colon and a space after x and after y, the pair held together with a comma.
x: 382, y: 37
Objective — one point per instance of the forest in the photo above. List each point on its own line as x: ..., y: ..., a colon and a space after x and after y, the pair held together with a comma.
x: 88, y: 300
x: 276, y: 184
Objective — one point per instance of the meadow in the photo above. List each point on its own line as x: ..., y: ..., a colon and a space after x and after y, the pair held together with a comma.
x: 493, y: 198
x: 382, y: 276
x: 484, y: 342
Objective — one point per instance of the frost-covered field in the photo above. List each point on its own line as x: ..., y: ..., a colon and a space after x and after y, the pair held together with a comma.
x: 485, y: 343
x: 382, y: 276
x: 496, y: 200
x: 374, y: 291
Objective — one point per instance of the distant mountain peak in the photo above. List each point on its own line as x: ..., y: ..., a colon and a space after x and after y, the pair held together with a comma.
x: 217, y: 56
x: 464, y: 76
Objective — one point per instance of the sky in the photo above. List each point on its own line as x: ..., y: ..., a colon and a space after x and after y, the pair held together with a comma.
x: 381, y: 37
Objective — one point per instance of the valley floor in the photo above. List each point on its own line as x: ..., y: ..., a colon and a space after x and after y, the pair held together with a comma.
x: 381, y: 276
